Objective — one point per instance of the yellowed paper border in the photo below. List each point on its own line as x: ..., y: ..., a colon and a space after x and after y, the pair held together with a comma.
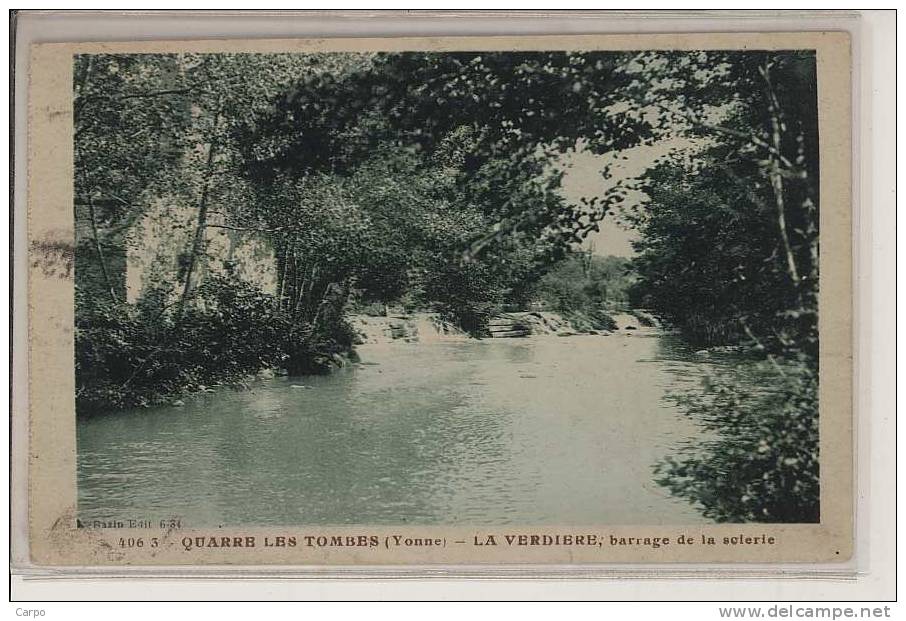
x: 53, y: 538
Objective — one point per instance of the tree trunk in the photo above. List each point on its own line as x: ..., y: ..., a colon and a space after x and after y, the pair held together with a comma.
x: 316, y: 282
x: 199, y: 240
x: 774, y: 172
x: 325, y: 301
x: 96, y: 238
x: 100, y: 250
x: 281, y: 287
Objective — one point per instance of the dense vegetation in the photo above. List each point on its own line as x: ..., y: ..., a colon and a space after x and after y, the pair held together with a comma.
x: 585, y: 281
x: 728, y: 253
x: 370, y: 186
x: 130, y: 355
x: 428, y: 180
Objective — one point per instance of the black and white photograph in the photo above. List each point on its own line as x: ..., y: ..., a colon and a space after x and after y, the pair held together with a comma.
x: 425, y: 288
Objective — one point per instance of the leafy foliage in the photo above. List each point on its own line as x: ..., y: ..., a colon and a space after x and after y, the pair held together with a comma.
x: 128, y: 355
x: 759, y: 461
x: 331, y: 121
x: 495, y: 119
x: 129, y: 127
x: 729, y: 236
x: 728, y: 253
x: 584, y: 282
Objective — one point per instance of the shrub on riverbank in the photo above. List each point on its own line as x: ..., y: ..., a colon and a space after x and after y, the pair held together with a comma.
x: 465, y: 295
x: 584, y: 282
x: 136, y: 355
x: 760, y: 461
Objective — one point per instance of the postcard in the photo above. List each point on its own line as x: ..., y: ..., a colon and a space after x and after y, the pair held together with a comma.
x: 467, y: 301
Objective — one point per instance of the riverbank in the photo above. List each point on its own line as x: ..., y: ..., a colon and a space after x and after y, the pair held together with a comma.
x: 192, y: 374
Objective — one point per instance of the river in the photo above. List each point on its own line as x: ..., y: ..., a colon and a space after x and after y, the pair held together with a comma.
x: 538, y: 430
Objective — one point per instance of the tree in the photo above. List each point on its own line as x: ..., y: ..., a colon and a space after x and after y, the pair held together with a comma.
x: 510, y: 113
x: 729, y: 253
x: 222, y: 97
x: 150, y: 125
x: 729, y: 246
x: 127, y: 139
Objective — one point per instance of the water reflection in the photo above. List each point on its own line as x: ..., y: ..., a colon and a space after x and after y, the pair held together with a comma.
x: 529, y: 431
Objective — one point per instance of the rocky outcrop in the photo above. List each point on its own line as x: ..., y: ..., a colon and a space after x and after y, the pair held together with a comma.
x: 547, y: 323
x: 407, y: 328
x: 157, y: 240
x: 508, y: 326
x: 429, y: 327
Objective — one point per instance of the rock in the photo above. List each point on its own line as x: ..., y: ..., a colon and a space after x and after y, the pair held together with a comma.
x: 178, y: 403
x: 727, y: 349
x: 510, y: 325
x: 399, y: 330
x: 645, y: 319
x: 266, y: 374
x: 503, y: 334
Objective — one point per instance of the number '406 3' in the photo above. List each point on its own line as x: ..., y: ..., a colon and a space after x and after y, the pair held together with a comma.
x: 138, y: 542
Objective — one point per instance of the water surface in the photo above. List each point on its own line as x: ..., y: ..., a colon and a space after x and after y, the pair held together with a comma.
x: 541, y: 430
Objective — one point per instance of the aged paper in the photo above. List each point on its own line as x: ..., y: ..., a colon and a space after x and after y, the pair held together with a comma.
x: 453, y: 430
